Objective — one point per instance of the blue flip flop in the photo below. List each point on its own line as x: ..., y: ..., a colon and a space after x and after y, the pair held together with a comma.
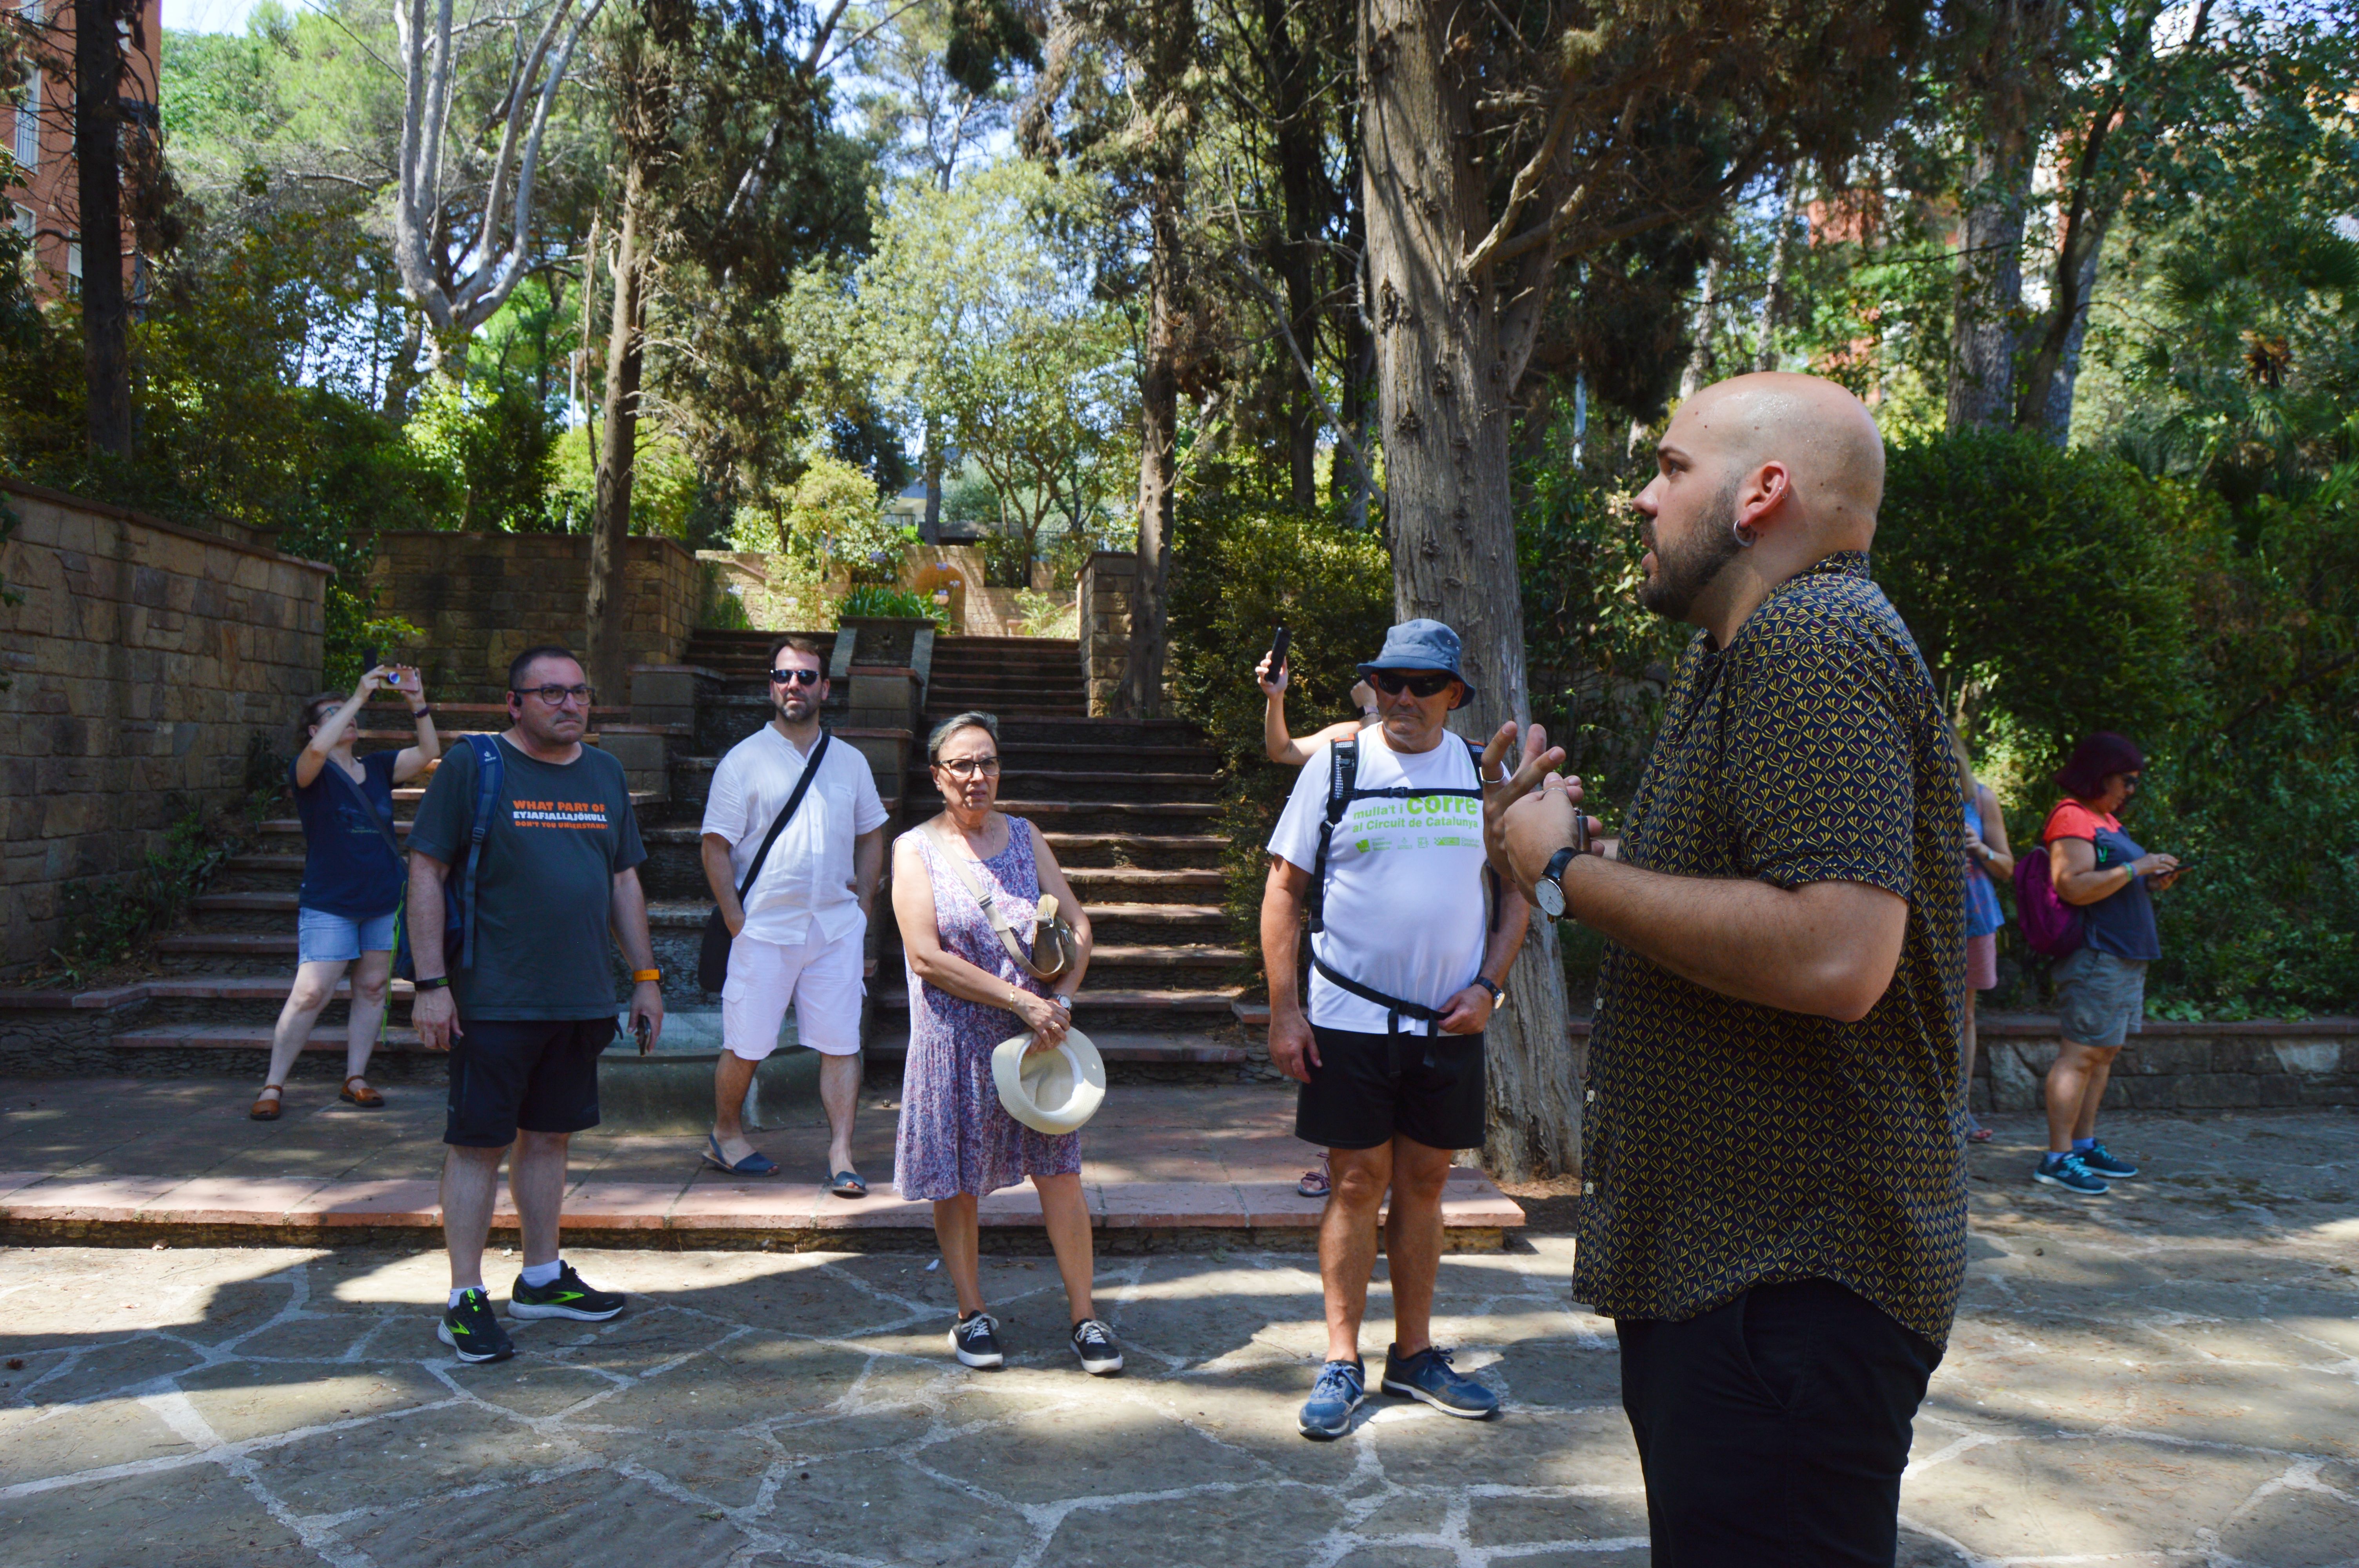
x: 755, y: 1164
x: 844, y: 1184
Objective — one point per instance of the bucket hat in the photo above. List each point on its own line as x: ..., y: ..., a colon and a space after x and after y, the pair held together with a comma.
x: 1420, y: 646
x: 1055, y: 1091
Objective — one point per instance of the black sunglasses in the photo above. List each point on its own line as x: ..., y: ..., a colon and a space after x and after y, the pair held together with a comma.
x: 1392, y: 683
x: 795, y: 677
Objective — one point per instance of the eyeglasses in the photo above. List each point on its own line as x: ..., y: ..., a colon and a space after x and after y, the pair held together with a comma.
x: 795, y: 677
x: 1392, y: 683
x: 557, y: 695
x: 970, y: 767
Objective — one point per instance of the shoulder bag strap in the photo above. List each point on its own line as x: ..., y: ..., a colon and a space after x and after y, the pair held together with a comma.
x: 785, y: 812
x: 1342, y: 774
x: 965, y: 872
x: 369, y: 807
x: 490, y: 772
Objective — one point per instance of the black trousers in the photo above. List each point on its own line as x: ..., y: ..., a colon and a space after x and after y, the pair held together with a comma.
x: 1773, y: 1431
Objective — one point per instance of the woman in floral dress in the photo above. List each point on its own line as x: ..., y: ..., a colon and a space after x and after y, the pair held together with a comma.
x: 966, y: 995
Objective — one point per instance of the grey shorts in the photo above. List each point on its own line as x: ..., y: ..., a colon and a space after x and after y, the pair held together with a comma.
x: 2101, y: 998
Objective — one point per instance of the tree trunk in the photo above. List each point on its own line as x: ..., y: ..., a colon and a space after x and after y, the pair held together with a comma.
x: 1449, y: 355
x: 105, y: 315
x: 1988, y: 317
x: 1781, y: 258
x: 1702, y: 368
x: 1297, y: 137
x: 2056, y: 408
x: 930, y: 529
x: 1159, y: 432
x: 607, y: 613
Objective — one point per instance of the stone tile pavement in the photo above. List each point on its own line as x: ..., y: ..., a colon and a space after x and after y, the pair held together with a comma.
x: 2167, y: 1376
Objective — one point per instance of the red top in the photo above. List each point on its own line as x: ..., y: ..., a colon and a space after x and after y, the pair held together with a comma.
x: 2071, y: 819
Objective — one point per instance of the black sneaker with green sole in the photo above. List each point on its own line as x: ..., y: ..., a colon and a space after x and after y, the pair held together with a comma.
x: 470, y: 1329
x: 565, y: 1296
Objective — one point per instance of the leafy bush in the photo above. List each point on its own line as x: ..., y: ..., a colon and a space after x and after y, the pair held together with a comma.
x: 2048, y: 590
x: 870, y: 599
x: 1244, y: 566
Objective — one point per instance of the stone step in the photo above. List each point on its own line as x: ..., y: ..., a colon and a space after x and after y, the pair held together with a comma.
x: 1100, y: 880
x: 243, y: 944
x: 1111, y: 1004
x: 892, y: 1042
x: 692, y: 1208
x: 210, y: 1036
x: 274, y: 903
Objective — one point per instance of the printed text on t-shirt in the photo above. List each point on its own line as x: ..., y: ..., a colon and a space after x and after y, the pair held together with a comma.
x: 1415, y: 822
x: 575, y: 813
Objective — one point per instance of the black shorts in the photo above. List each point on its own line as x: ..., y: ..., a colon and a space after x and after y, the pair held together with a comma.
x: 1368, y: 1088
x: 539, y: 1076
x: 1772, y: 1431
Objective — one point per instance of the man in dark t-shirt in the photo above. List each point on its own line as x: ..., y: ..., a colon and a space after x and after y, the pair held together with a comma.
x: 1773, y: 1177
x: 525, y: 1020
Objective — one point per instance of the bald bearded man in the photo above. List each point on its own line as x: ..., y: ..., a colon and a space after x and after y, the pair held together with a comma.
x: 1773, y: 1167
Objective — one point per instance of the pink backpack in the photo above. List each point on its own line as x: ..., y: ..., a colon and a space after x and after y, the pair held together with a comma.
x: 2052, y: 926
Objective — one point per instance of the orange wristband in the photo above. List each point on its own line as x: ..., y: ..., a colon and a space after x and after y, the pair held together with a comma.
x: 641, y: 977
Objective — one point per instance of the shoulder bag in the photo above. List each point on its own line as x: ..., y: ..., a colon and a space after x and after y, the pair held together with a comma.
x: 713, y: 957
x: 1055, y: 949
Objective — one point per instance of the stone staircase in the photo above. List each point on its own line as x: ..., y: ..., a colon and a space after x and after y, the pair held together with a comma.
x: 1126, y: 807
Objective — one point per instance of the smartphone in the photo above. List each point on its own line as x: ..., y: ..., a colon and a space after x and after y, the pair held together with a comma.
x: 368, y: 660
x: 1277, y: 646
x: 639, y: 1033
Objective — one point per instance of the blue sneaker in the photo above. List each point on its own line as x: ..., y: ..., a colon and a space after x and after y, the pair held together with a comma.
x: 2071, y: 1172
x: 1429, y: 1376
x: 2105, y: 1164
x: 1341, y: 1386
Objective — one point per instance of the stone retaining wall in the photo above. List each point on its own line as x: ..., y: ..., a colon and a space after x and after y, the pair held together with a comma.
x: 2182, y: 1066
x: 145, y: 659
x: 481, y: 599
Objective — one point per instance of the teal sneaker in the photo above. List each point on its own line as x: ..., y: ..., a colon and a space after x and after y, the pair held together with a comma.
x: 2071, y: 1172
x: 2107, y: 1164
x: 1429, y: 1376
x: 1340, y: 1388
x: 470, y: 1329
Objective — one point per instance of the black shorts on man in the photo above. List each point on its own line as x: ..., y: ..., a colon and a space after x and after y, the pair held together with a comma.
x: 1366, y: 1088
x: 538, y: 1075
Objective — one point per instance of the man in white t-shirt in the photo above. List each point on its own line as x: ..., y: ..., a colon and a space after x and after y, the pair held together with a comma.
x: 800, y: 935
x: 1382, y: 844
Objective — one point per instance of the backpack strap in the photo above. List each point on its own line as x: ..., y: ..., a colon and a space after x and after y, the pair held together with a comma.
x: 1490, y: 873
x: 490, y: 773
x: 1343, y: 771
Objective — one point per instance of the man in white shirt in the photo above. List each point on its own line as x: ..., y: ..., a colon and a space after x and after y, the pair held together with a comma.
x: 800, y: 934
x: 1383, y: 842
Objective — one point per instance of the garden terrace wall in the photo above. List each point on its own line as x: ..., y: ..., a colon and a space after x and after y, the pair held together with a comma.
x: 142, y: 664
x: 481, y: 599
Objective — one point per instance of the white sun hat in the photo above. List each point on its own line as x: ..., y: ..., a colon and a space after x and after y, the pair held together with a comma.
x: 1055, y: 1091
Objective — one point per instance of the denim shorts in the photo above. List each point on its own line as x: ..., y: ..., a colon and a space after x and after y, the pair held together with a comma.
x: 324, y: 938
x: 2099, y: 999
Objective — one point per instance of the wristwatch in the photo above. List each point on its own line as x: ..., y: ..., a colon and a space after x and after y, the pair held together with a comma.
x: 1549, y: 891
x: 1498, y: 993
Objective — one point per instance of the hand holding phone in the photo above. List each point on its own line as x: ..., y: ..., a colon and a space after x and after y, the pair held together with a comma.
x: 639, y: 1032
x: 1278, y: 646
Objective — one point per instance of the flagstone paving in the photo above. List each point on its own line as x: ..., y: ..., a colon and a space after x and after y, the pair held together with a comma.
x: 2167, y: 1376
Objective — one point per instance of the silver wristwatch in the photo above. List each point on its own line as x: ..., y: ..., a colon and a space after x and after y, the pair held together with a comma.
x: 1549, y: 891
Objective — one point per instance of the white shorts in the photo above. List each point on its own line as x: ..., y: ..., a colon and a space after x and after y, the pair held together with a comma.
x: 821, y: 978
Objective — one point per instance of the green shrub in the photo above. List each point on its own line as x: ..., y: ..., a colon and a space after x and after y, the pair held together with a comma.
x: 905, y: 603
x: 1242, y: 568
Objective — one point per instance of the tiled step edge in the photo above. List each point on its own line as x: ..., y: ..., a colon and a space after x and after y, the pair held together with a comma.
x: 143, y: 1210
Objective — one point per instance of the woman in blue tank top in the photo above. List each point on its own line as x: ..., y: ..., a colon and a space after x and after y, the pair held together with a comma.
x: 1987, y: 857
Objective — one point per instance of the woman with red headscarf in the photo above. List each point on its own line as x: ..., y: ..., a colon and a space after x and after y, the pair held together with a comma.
x: 2100, y: 986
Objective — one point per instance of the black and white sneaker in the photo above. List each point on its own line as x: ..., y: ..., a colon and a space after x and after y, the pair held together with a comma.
x: 975, y: 1340
x: 470, y: 1329
x: 1100, y: 1356
x: 565, y: 1296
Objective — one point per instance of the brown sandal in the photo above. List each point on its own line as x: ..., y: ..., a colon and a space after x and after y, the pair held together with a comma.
x: 268, y: 1109
x: 367, y: 1100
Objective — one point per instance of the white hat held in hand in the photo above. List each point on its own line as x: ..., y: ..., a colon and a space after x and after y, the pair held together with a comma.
x: 1056, y: 1091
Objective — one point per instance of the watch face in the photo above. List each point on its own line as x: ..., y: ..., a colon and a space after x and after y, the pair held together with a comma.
x: 1550, y: 897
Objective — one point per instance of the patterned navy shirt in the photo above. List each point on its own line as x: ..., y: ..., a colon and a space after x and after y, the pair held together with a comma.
x: 1729, y: 1144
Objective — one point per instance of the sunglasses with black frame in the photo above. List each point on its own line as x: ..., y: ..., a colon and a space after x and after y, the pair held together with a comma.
x: 1392, y: 683
x: 796, y: 677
